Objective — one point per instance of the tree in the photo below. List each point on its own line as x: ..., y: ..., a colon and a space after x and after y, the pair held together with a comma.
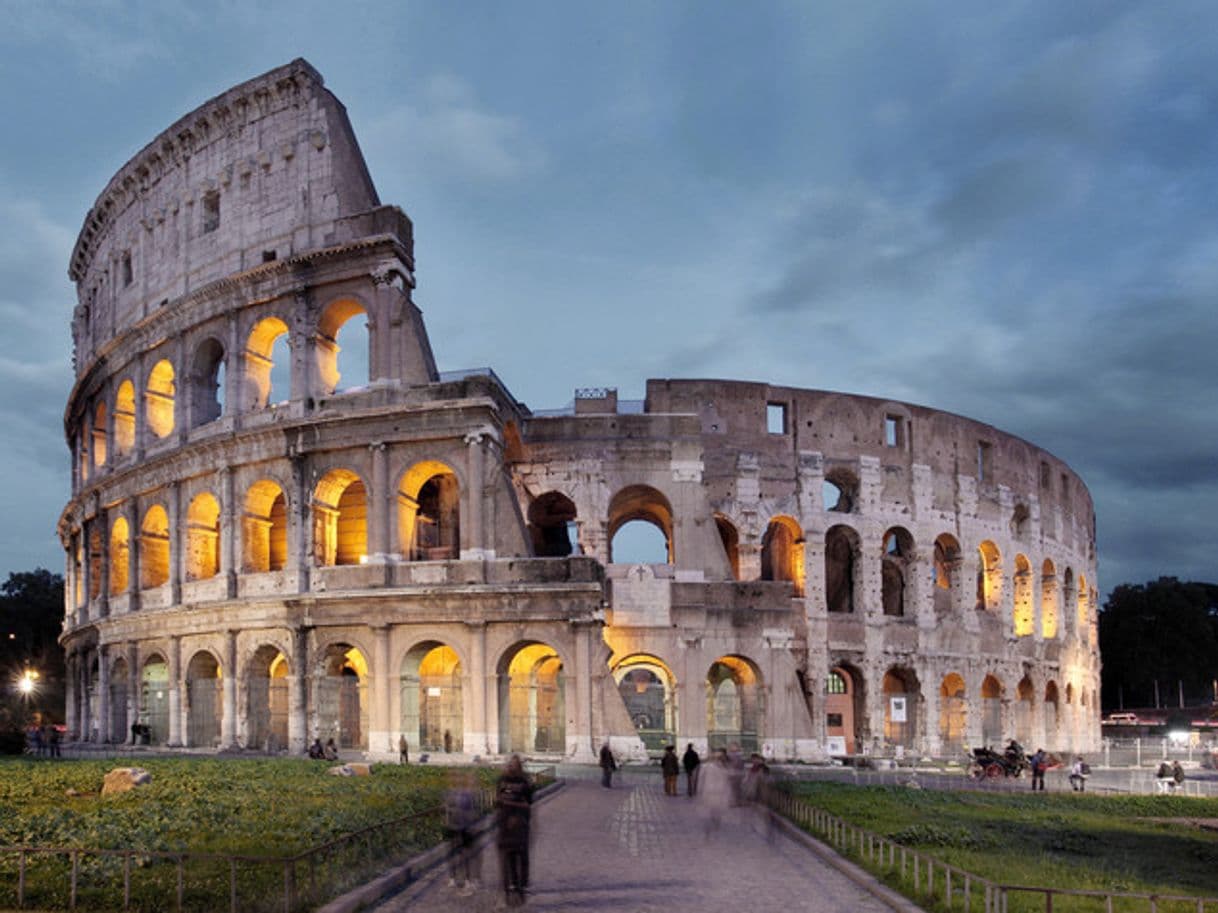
x: 31, y: 619
x: 1162, y: 633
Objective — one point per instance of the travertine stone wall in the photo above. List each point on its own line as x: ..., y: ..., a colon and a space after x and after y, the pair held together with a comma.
x: 260, y: 553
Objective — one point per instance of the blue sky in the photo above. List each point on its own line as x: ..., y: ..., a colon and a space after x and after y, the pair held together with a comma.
x: 1003, y: 211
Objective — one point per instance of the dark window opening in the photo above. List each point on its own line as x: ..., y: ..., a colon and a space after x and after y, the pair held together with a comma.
x: 984, y: 461
x: 1046, y: 476
x: 269, y: 256
x: 128, y: 273
x: 211, y: 211
x: 834, y: 719
x: 776, y: 418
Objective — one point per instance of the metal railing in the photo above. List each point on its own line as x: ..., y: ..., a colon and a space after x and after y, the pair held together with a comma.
x: 924, y: 878
x: 78, y: 878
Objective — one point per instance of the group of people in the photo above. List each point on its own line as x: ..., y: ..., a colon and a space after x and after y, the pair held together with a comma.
x: 1169, y: 777
x: 42, y: 741
x: 327, y: 752
x: 1041, y: 761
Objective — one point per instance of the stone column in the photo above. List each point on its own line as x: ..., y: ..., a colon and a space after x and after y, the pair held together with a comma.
x: 234, y: 376
x: 86, y: 568
x: 378, y: 738
x: 134, y: 680
x: 302, y: 350
x: 379, y: 505
x: 298, y: 692
x: 579, y: 743
x: 475, y: 726
x: 103, y: 585
x: 472, y: 531
x: 230, y: 526
x: 86, y: 714
x: 300, y: 517
x: 105, y: 726
x: 177, y: 542
x: 228, y: 723
x: 175, y: 691
x: 70, y: 686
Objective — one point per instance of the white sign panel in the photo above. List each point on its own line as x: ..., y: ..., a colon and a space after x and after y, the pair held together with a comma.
x: 897, y: 709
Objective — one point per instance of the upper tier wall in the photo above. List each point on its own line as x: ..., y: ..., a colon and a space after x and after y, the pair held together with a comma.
x: 267, y: 170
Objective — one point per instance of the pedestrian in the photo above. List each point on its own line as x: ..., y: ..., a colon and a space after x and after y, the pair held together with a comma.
x: 690, y: 762
x: 671, y: 768
x: 460, y: 815
x: 513, y: 813
x: 403, y: 749
x: 1177, y: 773
x: 1038, y: 761
x: 55, y: 742
x: 608, y: 766
x: 1078, y: 774
x: 756, y: 789
x: 715, y: 790
x: 331, y: 750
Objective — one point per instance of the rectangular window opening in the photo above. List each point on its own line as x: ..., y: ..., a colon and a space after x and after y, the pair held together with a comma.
x: 834, y: 719
x: 211, y: 211
x: 984, y: 457
x: 1046, y: 476
x: 776, y: 418
x: 894, y: 431
x: 128, y: 273
x: 269, y: 256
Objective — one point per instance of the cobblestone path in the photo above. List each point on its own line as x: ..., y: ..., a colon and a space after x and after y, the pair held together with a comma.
x: 631, y: 849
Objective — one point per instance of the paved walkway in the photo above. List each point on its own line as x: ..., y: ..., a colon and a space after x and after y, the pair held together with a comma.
x: 632, y: 849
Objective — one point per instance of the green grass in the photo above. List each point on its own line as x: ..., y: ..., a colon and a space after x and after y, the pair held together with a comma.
x: 1100, y: 843
x: 265, y: 808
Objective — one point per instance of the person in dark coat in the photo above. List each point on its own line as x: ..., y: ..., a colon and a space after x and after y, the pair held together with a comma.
x: 1039, y: 762
x: 690, y: 762
x: 513, y: 814
x: 671, y: 768
x: 608, y: 766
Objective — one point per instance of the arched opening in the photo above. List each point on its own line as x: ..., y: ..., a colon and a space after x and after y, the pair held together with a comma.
x: 1023, y: 712
x: 894, y: 570
x: 1024, y: 618
x: 202, y: 537
x: 842, y: 546
x: 782, y: 553
x: 204, y: 701
x: 154, y: 548
x: 264, y: 528
x: 429, y: 512
x: 946, y: 571
x: 648, y: 690
x: 206, y: 383
x: 154, y: 699
x: 83, y: 443
x: 840, y: 491
x: 124, y: 419
x: 342, y: 348
x: 96, y: 561
x: 991, y: 711
x: 733, y: 704
x: 643, y: 516
x: 953, y: 713
x: 340, y: 519
x: 1084, y: 609
x: 1048, y: 600
x: 843, y: 697
x: 158, y: 400
x: 433, y: 716
x: 99, y: 435
x: 731, y: 543
x: 119, y: 683
x: 532, y: 700
x: 342, y: 706
x: 267, y: 700
x: 120, y: 556
x: 552, y: 526
x: 901, y: 695
x: 989, y: 577
x: 1052, y: 717
x: 268, y: 363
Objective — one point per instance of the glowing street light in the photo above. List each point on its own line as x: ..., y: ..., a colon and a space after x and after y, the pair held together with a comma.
x: 27, y: 682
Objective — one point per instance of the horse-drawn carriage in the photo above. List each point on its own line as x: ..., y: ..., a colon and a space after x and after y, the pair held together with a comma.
x: 988, y: 764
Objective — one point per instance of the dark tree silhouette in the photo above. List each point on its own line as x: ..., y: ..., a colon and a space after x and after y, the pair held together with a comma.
x: 31, y: 619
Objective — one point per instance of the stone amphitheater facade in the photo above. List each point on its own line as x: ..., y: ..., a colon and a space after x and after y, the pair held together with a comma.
x: 260, y: 553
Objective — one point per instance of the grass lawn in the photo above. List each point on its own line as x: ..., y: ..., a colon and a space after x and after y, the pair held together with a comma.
x: 267, y: 807
x: 1141, y: 844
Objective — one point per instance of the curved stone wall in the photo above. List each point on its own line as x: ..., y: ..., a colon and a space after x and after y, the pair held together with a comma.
x: 261, y: 552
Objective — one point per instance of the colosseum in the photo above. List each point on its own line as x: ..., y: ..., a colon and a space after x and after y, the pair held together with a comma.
x: 286, y: 523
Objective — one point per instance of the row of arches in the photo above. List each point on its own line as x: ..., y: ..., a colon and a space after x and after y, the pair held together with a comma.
x: 151, y: 406
x: 428, y: 500
x: 962, y: 717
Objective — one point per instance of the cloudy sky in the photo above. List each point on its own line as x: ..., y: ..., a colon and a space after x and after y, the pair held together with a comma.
x: 1008, y: 211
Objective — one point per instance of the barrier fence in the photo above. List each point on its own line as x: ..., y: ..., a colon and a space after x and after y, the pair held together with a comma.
x: 928, y: 880
x: 76, y: 878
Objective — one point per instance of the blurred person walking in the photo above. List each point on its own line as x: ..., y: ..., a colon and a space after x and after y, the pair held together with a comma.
x: 671, y: 768
x: 690, y: 762
x: 513, y: 812
x: 460, y: 815
x: 608, y: 766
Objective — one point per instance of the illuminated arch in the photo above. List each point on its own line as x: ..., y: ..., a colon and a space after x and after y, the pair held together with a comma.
x: 532, y: 699
x: 264, y: 540
x: 159, y: 399
x: 120, y: 556
x: 340, y: 519
x: 902, y: 697
x: 202, y: 537
x: 154, y: 548
x: 333, y: 322
x: 204, y: 700
x: 260, y: 364
x: 266, y: 686
x: 429, y: 512
x: 342, y: 702
x: 154, y: 698
x: 432, y: 714
x: 734, y: 710
x: 1024, y: 617
x: 991, y: 711
x: 782, y: 553
x: 124, y: 419
x: 646, y: 504
x: 989, y: 577
x: 99, y: 435
x: 953, y: 713
x: 648, y: 691
x: 1048, y: 600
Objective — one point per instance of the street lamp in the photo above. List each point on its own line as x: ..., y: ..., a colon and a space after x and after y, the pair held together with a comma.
x: 27, y: 682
